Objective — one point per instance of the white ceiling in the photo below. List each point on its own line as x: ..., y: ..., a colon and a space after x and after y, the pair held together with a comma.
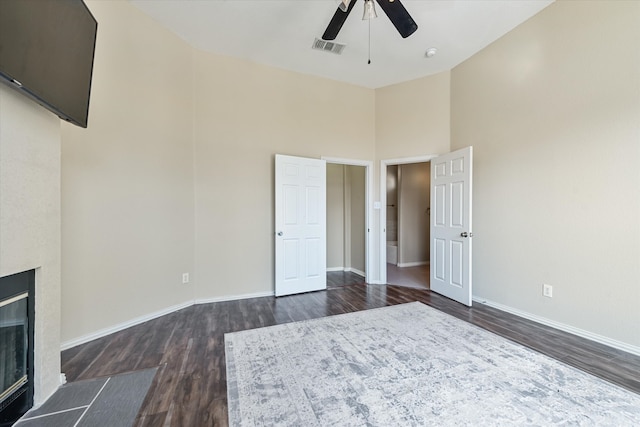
x: 280, y: 33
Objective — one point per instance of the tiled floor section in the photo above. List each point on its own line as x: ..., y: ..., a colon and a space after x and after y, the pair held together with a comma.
x: 411, y: 277
x: 112, y: 401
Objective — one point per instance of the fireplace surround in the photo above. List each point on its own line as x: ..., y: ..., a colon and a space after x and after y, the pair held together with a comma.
x: 17, y: 315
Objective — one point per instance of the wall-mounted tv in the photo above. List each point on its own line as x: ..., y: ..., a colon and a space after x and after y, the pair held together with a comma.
x: 46, y: 53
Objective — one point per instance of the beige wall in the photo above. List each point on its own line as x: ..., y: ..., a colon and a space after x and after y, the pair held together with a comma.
x: 392, y: 203
x: 127, y: 180
x: 244, y: 114
x: 335, y: 216
x: 552, y: 110
x: 357, y: 238
x: 30, y: 221
x: 412, y: 118
x: 413, y: 204
x: 175, y: 172
x: 346, y: 217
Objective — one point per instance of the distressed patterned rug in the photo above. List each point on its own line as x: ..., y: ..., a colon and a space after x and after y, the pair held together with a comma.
x: 408, y: 365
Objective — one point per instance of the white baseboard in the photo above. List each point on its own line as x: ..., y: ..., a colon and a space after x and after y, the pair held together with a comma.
x: 235, y: 297
x: 570, y: 329
x: 356, y: 271
x: 141, y: 319
x: 124, y: 325
x: 347, y: 269
x: 561, y: 326
x: 413, y: 264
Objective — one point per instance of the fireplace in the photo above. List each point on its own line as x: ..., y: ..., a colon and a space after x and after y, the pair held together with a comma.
x: 16, y: 345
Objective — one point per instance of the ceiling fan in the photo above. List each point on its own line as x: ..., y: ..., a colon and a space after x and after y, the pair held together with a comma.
x: 394, y: 9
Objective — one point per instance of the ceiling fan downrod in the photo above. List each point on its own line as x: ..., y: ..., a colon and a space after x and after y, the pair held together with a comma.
x: 369, y: 59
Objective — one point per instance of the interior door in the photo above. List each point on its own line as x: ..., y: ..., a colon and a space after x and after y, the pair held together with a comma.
x: 300, y: 225
x: 451, y: 230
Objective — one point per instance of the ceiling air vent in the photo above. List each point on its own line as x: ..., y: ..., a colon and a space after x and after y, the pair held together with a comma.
x: 332, y: 47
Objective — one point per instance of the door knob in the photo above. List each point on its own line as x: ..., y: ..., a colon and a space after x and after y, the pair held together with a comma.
x: 280, y: 233
x: 465, y: 234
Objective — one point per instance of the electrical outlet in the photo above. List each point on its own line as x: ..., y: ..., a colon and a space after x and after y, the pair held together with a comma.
x: 547, y: 290
x: 185, y: 278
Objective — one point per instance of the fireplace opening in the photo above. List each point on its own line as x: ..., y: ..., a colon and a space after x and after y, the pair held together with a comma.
x: 17, y: 303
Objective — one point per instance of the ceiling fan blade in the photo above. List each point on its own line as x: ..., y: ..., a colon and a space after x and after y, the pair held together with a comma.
x: 399, y: 17
x: 336, y: 22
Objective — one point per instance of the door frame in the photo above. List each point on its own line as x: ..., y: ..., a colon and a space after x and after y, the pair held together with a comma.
x: 368, y: 195
x: 382, y: 249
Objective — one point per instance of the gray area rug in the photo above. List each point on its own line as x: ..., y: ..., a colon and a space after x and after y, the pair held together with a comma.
x: 101, y: 402
x: 408, y: 365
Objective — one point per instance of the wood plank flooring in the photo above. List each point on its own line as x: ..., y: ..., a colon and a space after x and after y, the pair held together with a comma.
x: 187, y: 346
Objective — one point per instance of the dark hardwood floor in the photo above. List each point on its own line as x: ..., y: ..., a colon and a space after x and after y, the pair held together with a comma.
x: 188, y: 345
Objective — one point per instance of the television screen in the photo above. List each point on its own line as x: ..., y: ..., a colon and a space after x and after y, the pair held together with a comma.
x: 46, y: 52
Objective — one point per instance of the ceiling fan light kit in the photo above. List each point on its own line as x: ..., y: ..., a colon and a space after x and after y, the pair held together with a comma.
x: 369, y: 10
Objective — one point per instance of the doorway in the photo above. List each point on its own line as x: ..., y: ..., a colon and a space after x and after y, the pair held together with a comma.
x: 348, y: 230
x: 405, y: 221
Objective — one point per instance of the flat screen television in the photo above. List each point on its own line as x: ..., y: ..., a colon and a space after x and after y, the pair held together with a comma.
x: 46, y: 53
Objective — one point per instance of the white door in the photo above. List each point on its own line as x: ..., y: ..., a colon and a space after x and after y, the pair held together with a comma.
x: 451, y: 225
x: 300, y: 227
